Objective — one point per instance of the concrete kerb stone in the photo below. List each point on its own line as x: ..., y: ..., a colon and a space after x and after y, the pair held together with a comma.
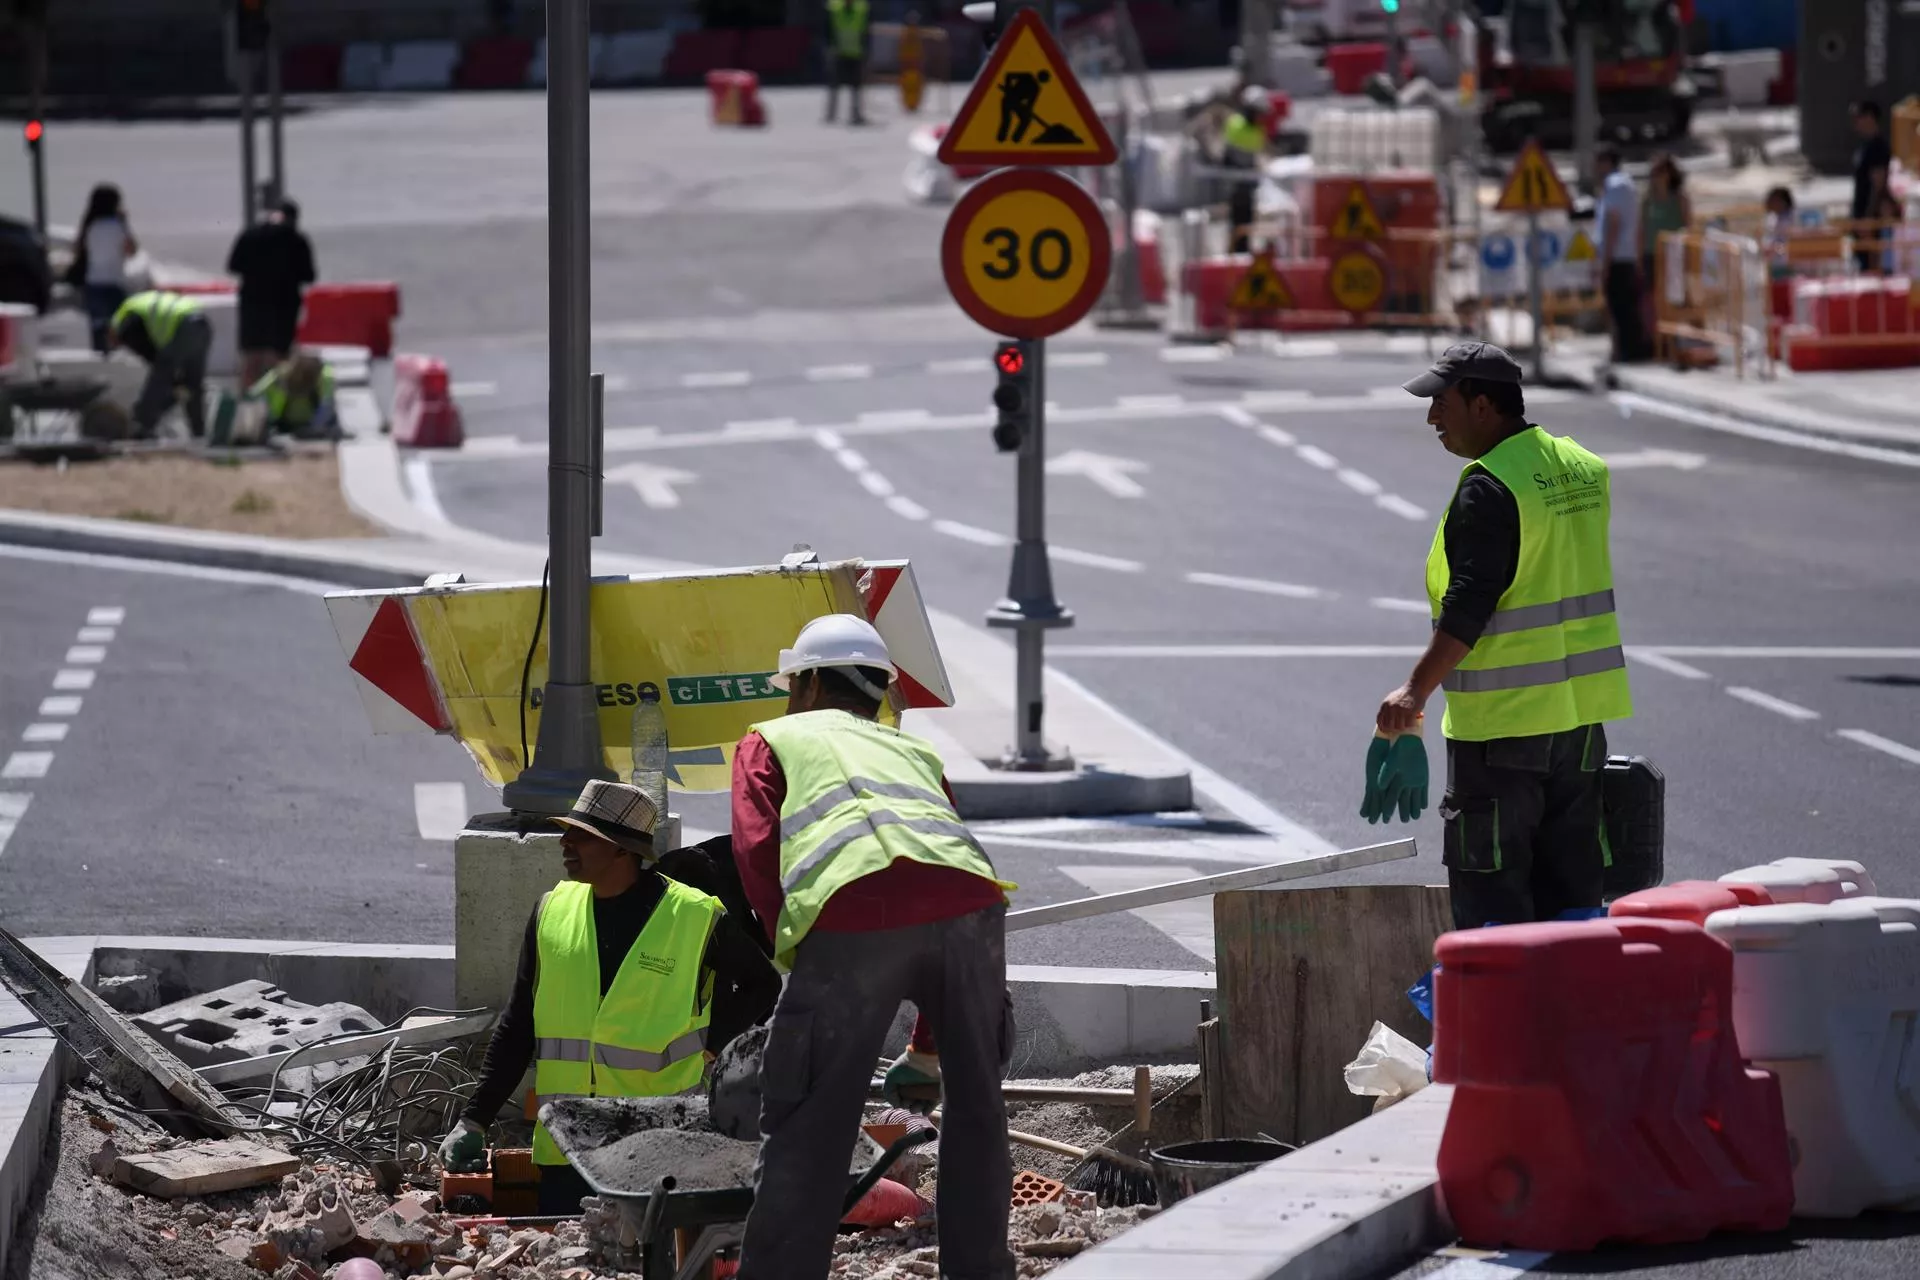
x: 1700, y: 393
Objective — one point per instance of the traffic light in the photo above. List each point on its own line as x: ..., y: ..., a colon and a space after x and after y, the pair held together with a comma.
x: 250, y: 25
x: 1010, y: 396
x: 33, y: 132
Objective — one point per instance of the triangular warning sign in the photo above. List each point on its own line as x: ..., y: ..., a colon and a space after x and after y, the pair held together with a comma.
x: 1357, y: 219
x: 1533, y: 186
x: 1026, y: 107
x: 1261, y: 288
x: 1581, y: 250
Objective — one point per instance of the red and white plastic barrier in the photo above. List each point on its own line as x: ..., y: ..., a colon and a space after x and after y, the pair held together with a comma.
x: 351, y: 315
x: 733, y: 98
x: 1852, y: 322
x: 424, y: 415
x: 1815, y: 880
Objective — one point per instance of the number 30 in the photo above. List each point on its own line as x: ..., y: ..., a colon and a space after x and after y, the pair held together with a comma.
x: 1049, y: 254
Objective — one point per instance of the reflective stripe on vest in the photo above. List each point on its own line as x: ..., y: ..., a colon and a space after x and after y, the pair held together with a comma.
x: 646, y: 1037
x: 1550, y: 658
x: 159, y: 312
x: 849, y: 19
x: 859, y: 796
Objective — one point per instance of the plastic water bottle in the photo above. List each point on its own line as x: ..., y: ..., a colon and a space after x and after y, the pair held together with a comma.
x: 650, y: 748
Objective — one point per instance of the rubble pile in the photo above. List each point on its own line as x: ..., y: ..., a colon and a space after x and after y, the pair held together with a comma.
x: 1043, y: 1237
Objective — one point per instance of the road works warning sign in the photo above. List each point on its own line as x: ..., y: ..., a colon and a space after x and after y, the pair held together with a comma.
x: 1357, y: 219
x: 1261, y: 288
x: 1027, y: 107
x: 1534, y: 186
x: 705, y: 645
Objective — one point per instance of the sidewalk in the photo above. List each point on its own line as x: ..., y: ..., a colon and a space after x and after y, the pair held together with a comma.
x: 1877, y: 406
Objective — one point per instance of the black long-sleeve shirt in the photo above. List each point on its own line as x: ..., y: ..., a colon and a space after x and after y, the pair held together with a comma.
x: 745, y: 986
x: 1483, y: 554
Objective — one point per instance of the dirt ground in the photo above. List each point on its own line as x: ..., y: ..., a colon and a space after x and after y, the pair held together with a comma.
x: 297, y: 496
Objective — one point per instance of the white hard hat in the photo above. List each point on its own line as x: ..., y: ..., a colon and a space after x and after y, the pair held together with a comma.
x: 836, y: 640
x: 1255, y: 99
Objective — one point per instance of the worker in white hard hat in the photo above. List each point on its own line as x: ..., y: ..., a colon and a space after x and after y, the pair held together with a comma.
x: 873, y: 892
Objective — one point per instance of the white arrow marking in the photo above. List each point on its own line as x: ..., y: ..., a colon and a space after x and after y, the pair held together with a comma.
x: 1657, y: 458
x: 653, y: 484
x: 1115, y: 475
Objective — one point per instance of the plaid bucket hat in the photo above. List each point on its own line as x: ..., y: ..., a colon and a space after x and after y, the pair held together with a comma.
x: 615, y: 811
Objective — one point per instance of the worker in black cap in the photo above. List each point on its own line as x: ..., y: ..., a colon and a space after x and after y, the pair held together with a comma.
x: 1527, y: 647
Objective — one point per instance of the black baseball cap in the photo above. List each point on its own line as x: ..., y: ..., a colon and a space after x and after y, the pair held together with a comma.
x: 1479, y: 360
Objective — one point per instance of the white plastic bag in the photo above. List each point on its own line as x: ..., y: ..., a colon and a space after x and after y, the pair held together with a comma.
x: 1390, y: 1067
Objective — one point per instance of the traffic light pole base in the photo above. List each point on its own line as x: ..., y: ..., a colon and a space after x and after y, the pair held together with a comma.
x: 568, y: 755
x: 1030, y: 620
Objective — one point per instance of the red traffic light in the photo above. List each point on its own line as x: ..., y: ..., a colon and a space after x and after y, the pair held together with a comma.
x: 33, y: 130
x: 1010, y: 359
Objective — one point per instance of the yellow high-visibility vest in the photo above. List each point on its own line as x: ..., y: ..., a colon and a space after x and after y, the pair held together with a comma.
x: 160, y: 312
x: 849, y: 21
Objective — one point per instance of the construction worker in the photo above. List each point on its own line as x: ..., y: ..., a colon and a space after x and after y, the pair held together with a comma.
x: 1526, y: 645
x: 875, y: 892
x: 1243, y: 145
x: 169, y: 332
x: 628, y: 984
x: 298, y: 394
x: 847, y: 33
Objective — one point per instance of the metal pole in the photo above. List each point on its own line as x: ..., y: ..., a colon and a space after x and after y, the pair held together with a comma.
x: 568, y: 754
x: 1256, y: 42
x: 276, y: 151
x: 597, y: 442
x: 247, y: 175
x: 36, y: 153
x: 1534, y: 296
x: 1395, y: 54
x: 1586, y: 104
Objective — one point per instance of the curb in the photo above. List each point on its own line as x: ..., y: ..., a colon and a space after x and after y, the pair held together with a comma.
x: 1780, y: 417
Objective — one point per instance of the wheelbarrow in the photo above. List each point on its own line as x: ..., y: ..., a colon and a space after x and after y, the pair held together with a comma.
x: 653, y: 1213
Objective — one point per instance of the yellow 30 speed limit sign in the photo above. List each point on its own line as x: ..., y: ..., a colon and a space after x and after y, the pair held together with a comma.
x: 1026, y: 253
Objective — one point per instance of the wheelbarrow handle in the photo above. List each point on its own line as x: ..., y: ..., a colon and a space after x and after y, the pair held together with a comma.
x: 871, y: 1178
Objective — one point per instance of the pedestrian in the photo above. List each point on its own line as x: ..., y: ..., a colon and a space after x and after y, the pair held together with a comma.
x: 169, y: 332
x: 1243, y: 145
x: 875, y: 892
x: 1617, y: 212
x: 1527, y: 646
x: 1870, y: 165
x: 629, y: 983
x: 1667, y: 208
x: 274, y: 261
x: 847, y: 36
x: 100, y: 251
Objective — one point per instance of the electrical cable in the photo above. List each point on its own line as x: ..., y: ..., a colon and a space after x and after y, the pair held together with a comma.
x: 526, y: 668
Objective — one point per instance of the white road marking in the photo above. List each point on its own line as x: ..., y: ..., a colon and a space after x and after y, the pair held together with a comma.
x: 60, y: 705
x: 1503, y: 1266
x: 968, y: 365
x: 829, y: 439
x: 618, y: 382
x: 876, y: 484
x: 1196, y: 355
x: 1400, y: 606
x: 1094, y: 560
x: 1258, y: 585
x: 206, y: 573
x: 44, y: 731
x: 1400, y: 506
x: 906, y: 507
x: 895, y: 418
x: 1644, y: 458
x: 440, y: 809
x: 27, y: 764
x: 1359, y: 482
x: 1115, y: 475
x: 1151, y: 402
x: 968, y: 533
x: 1274, y: 435
x: 106, y: 616
x: 87, y: 654
x: 1898, y: 750
x: 850, y: 459
x: 73, y: 678
x: 95, y: 635
x: 478, y: 447
x: 730, y: 378
x: 1840, y: 652
x: 839, y: 372
x: 1188, y: 923
x: 754, y: 426
x: 418, y: 471
x: 473, y: 390
x: 1317, y: 456
x: 1108, y: 822
x: 1767, y: 702
x: 654, y: 484
x: 1232, y: 851
x: 1303, y: 348
x: 627, y: 437
x: 1234, y: 650
x: 1287, y: 399
x: 1076, y: 359
x: 1407, y: 344
x: 1631, y: 400
x: 1661, y: 662
x: 13, y: 807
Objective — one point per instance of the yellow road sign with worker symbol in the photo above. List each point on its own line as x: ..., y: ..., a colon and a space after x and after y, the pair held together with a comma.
x: 1357, y: 281
x: 1027, y: 107
x: 1581, y: 250
x: 1026, y: 253
x: 1357, y: 219
x: 1261, y: 288
x: 1534, y: 186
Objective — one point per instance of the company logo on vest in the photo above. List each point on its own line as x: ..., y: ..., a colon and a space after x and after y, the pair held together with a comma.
x: 1576, y: 473
x: 662, y: 965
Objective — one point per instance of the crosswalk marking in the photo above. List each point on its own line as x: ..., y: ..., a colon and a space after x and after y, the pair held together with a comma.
x: 440, y: 809
x: 13, y: 807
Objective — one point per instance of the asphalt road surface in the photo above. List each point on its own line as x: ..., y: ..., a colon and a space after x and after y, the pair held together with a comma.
x: 1240, y: 533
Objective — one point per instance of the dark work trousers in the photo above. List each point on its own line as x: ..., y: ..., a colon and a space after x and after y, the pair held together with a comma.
x: 842, y: 70
x: 1623, y: 304
x: 1524, y: 838
x: 826, y: 1032
x: 181, y: 363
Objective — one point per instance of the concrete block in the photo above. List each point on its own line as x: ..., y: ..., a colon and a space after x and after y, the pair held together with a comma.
x: 420, y: 64
x: 246, y: 1020
x: 361, y: 65
x: 632, y: 57
x: 203, y: 1168
x: 500, y: 869
x: 384, y: 980
x: 32, y: 1065
x: 1070, y: 1018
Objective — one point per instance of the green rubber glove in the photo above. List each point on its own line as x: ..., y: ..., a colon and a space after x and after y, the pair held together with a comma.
x: 1374, y: 806
x: 464, y: 1149
x: 911, y: 1069
x: 1403, y: 775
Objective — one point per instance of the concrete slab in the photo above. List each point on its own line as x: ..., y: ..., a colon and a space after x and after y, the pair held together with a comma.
x: 500, y: 870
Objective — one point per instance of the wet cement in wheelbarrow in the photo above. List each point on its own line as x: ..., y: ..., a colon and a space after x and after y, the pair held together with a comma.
x: 696, y: 1160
